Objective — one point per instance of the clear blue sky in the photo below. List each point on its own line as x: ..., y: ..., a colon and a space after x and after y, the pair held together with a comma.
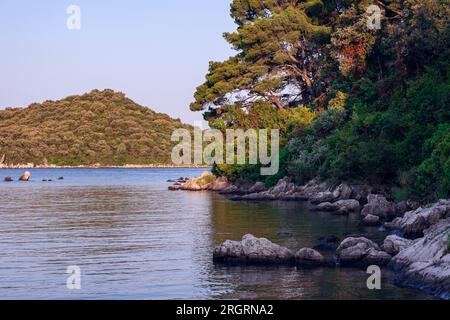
x: 155, y: 51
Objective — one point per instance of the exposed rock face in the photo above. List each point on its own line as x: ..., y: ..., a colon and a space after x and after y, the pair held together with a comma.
x: 25, y: 176
x: 394, y: 244
x: 426, y: 263
x: 8, y: 179
x: 252, y: 250
x: 219, y: 184
x: 415, y: 222
x: 307, y: 257
x: 341, y: 206
x: 378, y: 206
x: 371, y: 220
x: 361, y: 252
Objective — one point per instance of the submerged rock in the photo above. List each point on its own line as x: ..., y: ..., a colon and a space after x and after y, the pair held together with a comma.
x: 307, y: 257
x: 361, y: 252
x: 252, y: 250
x: 425, y: 264
x: 25, y: 176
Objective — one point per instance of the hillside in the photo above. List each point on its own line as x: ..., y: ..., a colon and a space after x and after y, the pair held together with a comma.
x: 354, y: 101
x: 98, y: 127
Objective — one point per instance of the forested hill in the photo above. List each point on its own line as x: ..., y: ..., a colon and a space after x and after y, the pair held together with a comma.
x: 98, y: 127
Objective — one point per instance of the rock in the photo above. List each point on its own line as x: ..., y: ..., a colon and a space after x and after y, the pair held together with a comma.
x: 61, y: 178
x: 321, y: 197
x: 371, y: 220
x: 197, y: 184
x: 25, y: 176
x: 425, y: 264
x: 413, y: 223
x: 307, y: 257
x: 8, y: 179
x: 175, y: 187
x: 219, y: 184
x: 402, y: 207
x: 341, y: 206
x: 252, y: 250
x: 257, y: 187
x: 343, y: 192
x: 394, y: 244
x: 361, y: 252
x: 378, y: 206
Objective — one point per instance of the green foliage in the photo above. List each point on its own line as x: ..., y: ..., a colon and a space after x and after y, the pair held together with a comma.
x: 99, y: 127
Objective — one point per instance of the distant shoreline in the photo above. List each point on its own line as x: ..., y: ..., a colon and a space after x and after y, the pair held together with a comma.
x: 128, y: 166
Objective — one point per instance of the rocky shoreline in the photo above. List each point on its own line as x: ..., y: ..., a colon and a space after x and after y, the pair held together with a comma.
x: 418, y: 248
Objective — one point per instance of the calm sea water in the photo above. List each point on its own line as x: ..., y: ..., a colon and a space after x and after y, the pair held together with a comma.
x: 134, y: 239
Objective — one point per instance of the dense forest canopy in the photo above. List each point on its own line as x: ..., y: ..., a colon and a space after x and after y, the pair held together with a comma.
x: 101, y: 127
x: 354, y: 102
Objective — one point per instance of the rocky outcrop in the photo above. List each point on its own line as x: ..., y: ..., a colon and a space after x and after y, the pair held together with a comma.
x: 307, y: 257
x: 219, y: 184
x: 283, y: 190
x: 394, y: 244
x: 204, y: 182
x: 413, y: 223
x: 25, y: 176
x: 361, y: 252
x: 341, y: 206
x: 425, y: 264
x: 252, y: 250
x: 378, y: 206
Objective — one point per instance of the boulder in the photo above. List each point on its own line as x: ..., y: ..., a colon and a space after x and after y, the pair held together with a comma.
x: 8, y: 179
x: 361, y: 252
x: 378, y: 206
x: 321, y: 197
x: 307, y: 257
x: 25, y: 176
x: 413, y: 223
x: 394, y: 244
x: 425, y: 264
x: 219, y: 184
x: 371, y: 220
x: 257, y: 187
x: 61, y: 178
x: 343, y: 192
x: 341, y: 206
x: 252, y: 250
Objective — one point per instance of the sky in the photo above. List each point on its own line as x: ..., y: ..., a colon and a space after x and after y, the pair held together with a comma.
x: 155, y: 51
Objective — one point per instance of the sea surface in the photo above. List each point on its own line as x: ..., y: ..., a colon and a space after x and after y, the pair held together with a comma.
x: 134, y: 239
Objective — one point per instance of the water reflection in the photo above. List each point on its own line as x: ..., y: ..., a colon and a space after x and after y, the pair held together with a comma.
x: 133, y: 239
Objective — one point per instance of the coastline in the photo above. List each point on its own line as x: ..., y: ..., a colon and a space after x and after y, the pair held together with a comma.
x: 127, y: 166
